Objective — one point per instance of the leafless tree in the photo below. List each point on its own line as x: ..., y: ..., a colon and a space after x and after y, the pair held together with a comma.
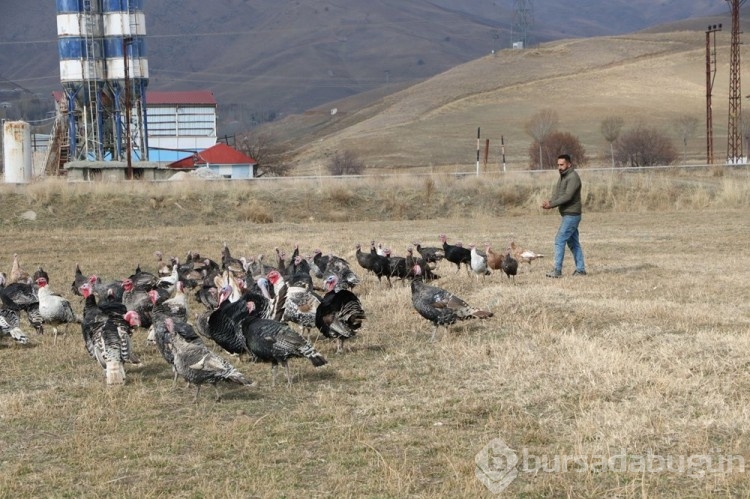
x: 685, y: 127
x: 267, y: 151
x: 558, y: 143
x: 345, y: 163
x: 611, y: 127
x: 644, y: 146
x: 539, y: 127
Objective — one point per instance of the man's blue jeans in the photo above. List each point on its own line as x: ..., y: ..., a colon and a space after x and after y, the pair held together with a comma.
x: 568, y: 234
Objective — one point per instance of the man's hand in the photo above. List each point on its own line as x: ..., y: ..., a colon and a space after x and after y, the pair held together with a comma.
x: 546, y: 205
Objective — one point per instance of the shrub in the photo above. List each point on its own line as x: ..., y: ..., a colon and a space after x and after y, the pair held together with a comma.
x: 345, y: 163
x: 555, y: 144
x: 643, y: 146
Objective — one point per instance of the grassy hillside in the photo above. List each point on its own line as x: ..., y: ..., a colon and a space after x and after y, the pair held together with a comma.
x: 645, y: 358
x: 649, y: 78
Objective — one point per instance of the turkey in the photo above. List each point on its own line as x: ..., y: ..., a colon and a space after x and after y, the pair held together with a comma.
x: 510, y: 266
x: 299, y: 273
x: 163, y: 268
x: 410, y: 261
x: 431, y: 254
x: 478, y: 262
x: 106, y: 331
x: 325, y: 266
x: 439, y: 306
x: 375, y: 263
x: 275, y: 342
x: 397, y: 265
x: 234, y: 265
x: 339, y: 314
x: 300, y: 304
x: 21, y: 296
x: 494, y: 259
x: 175, y: 308
x: 138, y: 301
x: 523, y: 255
x: 197, y: 364
x: 17, y: 273
x: 78, y: 281
x: 54, y: 309
x: 101, y: 289
x: 39, y: 272
x: 143, y: 281
x: 455, y: 253
x: 10, y: 324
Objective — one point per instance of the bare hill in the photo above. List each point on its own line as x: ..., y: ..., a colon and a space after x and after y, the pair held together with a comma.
x: 647, y: 78
x: 270, y: 58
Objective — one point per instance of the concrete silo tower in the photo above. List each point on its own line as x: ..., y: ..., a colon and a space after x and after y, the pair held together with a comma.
x: 104, y: 73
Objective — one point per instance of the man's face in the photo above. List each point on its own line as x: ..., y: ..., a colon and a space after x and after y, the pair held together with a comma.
x: 562, y: 165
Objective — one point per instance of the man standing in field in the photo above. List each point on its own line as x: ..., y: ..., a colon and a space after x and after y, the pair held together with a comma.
x: 567, y: 199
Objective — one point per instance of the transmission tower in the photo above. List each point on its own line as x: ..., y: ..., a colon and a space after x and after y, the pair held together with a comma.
x: 734, y: 143
x: 523, y: 20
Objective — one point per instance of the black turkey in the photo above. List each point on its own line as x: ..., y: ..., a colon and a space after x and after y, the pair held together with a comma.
x: 509, y: 265
x: 439, y: 306
x: 340, y: 313
x: 456, y: 253
x: 373, y: 262
x: 430, y: 254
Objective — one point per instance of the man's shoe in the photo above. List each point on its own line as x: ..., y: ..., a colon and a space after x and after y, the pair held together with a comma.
x: 554, y: 275
x: 579, y: 272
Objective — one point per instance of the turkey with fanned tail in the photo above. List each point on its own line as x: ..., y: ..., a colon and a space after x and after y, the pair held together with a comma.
x: 339, y: 314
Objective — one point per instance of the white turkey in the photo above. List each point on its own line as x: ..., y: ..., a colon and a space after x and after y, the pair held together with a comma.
x: 439, y: 306
x: 54, y: 309
x: 478, y: 262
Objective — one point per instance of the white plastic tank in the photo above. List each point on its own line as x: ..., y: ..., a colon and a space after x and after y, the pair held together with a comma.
x: 17, y: 152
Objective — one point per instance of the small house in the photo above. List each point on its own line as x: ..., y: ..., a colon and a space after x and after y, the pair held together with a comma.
x: 222, y: 160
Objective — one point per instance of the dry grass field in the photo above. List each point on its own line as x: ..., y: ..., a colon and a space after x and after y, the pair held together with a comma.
x: 647, y: 357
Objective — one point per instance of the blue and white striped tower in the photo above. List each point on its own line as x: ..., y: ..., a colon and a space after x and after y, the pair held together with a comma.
x: 102, y: 59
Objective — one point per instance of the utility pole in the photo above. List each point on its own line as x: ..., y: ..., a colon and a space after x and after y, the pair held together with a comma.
x: 734, y: 142
x: 710, y: 77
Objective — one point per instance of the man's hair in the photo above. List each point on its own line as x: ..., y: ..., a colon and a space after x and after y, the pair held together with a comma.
x: 566, y: 157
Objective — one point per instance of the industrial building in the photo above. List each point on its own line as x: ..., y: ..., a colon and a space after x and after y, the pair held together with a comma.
x: 108, y: 126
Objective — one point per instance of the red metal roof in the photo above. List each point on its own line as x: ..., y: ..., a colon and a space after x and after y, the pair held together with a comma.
x: 182, y: 97
x: 219, y: 154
